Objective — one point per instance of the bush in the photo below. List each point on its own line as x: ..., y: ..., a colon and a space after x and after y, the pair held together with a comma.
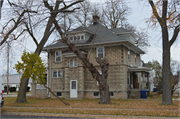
x: 12, y: 89
x: 27, y: 90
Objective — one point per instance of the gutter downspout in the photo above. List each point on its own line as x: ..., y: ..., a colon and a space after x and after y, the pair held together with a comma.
x: 49, y: 79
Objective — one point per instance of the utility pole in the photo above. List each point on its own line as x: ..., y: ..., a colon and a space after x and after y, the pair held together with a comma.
x: 7, y: 66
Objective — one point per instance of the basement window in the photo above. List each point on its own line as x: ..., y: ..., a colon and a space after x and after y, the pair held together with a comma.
x: 59, y: 93
x: 95, y: 94
x: 111, y: 94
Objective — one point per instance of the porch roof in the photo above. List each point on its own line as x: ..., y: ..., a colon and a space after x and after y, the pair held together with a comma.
x: 139, y: 69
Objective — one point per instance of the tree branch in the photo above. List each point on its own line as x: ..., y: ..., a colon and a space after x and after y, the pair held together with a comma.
x: 66, y: 103
x: 155, y: 11
x: 176, y: 32
x: 31, y: 34
x: 16, y: 25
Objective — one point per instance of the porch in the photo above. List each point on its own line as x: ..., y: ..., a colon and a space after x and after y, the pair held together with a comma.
x: 138, y: 79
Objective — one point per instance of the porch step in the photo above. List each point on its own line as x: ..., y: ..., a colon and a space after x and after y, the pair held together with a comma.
x: 135, y: 94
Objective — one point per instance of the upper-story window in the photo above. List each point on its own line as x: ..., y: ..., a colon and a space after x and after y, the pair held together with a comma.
x: 100, y: 52
x: 57, y: 74
x: 77, y: 37
x: 135, y: 57
x: 129, y: 55
x: 73, y: 63
x: 58, y: 56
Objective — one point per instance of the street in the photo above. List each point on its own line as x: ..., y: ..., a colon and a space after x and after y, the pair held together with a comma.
x: 4, y: 116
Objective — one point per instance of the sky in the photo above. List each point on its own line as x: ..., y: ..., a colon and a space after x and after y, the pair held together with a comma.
x: 140, y: 12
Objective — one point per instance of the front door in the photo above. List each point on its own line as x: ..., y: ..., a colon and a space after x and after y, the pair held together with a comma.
x: 73, y: 89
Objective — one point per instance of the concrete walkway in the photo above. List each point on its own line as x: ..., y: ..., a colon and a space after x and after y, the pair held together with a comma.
x: 14, y: 95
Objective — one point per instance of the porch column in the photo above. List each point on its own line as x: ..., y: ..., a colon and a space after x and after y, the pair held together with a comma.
x: 143, y: 82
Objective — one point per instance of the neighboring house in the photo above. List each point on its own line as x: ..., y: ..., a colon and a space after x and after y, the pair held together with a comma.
x: 69, y: 78
x: 14, y: 81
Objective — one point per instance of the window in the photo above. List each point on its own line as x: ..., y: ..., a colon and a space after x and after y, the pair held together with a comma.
x: 100, y: 72
x: 100, y: 52
x: 95, y: 94
x: 82, y: 37
x: 73, y: 63
x: 78, y: 37
x: 74, y: 38
x: 97, y: 83
x: 57, y: 74
x: 59, y: 93
x: 111, y: 94
x: 73, y: 86
x: 135, y: 57
x: 129, y: 55
x: 58, y: 56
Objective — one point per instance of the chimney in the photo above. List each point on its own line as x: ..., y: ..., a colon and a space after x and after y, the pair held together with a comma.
x: 95, y: 19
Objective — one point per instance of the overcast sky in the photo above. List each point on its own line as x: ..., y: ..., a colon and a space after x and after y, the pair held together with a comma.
x: 141, y: 11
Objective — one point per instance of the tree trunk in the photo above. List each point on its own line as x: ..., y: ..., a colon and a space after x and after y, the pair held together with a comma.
x: 104, y: 92
x: 166, y: 96
x: 22, y: 90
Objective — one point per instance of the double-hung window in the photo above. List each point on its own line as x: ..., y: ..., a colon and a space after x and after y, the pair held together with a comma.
x: 100, y: 52
x: 129, y: 55
x: 135, y: 57
x: 73, y: 63
x: 58, y: 56
x: 57, y: 74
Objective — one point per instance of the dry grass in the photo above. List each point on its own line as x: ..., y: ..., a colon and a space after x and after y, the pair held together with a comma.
x: 140, y: 107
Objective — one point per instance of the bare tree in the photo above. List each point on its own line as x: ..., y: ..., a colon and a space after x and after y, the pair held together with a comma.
x: 168, y: 18
x: 48, y: 30
x: 112, y: 15
x: 102, y: 79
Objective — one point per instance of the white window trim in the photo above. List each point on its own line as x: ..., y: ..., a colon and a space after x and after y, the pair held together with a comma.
x: 73, y: 63
x: 103, y: 52
x: 55, y: 56
x: 82, y: 34
x: 96, y: 96
x: 129, y: 54
x: 57, y: 74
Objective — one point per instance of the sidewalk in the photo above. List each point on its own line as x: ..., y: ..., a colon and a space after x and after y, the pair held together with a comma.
x: 14, y: 95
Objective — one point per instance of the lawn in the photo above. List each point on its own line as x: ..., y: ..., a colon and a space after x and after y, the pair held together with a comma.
x: 134, y: 107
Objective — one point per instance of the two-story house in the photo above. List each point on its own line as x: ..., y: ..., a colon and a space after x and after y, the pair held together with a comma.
x: 69, y: 78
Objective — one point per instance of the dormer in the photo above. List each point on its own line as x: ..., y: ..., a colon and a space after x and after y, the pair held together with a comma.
x: 79, y: 37
x: 124, y: 33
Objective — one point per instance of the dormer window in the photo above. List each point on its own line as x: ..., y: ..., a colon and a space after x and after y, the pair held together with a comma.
x: 82, y: 37
x: 74, y: 38
x: 78, y: 37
